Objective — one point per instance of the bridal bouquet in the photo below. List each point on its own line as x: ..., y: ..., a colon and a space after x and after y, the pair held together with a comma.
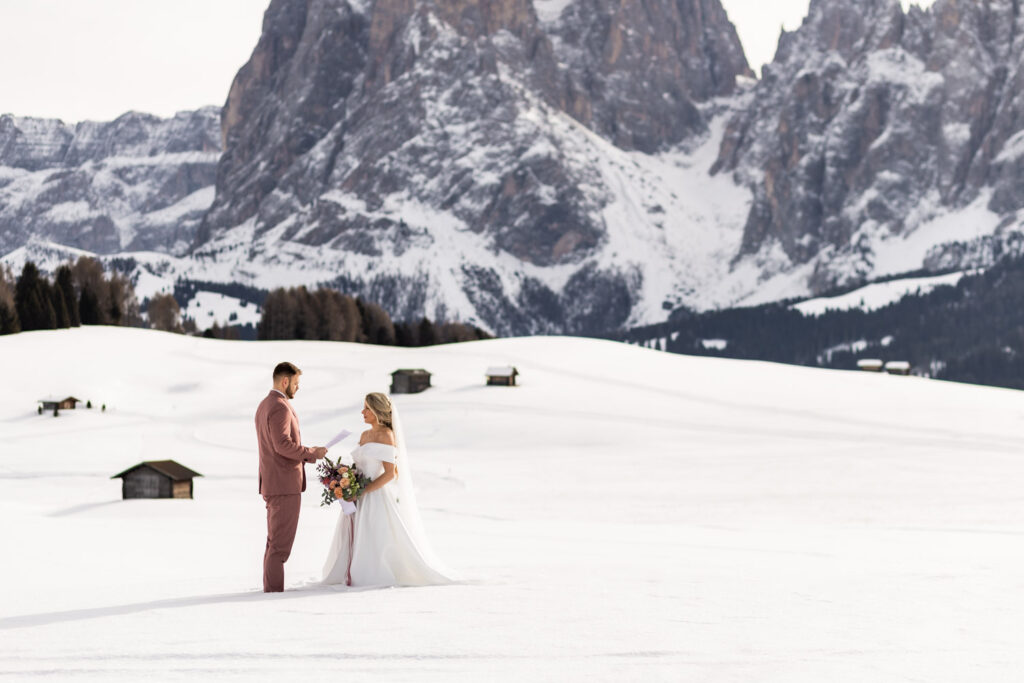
x: 341, y: 482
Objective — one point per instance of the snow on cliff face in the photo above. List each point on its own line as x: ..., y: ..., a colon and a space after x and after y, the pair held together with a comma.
x: 470, y: 160
x: 557, y: 165
x: 877, y: 136
x: 139, y: 182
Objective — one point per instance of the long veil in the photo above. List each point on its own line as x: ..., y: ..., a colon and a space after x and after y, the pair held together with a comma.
x: 407, y: 507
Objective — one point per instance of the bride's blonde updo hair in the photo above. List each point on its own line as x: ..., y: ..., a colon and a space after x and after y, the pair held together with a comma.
x: 380, y: 405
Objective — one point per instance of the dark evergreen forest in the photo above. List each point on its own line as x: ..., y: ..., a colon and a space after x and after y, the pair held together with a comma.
x: 971, y: 332
x: 328, y: 315
x: 80, y: 293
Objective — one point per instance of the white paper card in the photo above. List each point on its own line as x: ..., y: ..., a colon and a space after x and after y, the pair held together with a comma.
x: 341, y: 435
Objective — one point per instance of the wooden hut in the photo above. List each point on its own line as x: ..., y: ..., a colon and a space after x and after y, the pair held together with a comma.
x: 409, y: 381
x: 59, y: 404
x: 502, y: 376
x: 870, y: 364
x: 897, y: 367
x: 157, y: 479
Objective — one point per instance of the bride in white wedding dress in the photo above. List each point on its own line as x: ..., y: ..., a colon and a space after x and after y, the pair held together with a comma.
x: 383, y: 542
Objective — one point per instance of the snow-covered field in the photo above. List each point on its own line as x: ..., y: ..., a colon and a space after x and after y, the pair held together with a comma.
x: 623, y: 515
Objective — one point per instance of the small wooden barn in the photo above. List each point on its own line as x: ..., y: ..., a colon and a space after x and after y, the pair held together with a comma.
x: 502, y: 376
x: 59, y: 404
x: 157, y: 479
x: 409, y: 381
x: 897, y: 367
x: 870, y: 364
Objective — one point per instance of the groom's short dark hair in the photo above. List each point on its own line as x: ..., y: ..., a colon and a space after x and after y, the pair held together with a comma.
x: 286, y: 370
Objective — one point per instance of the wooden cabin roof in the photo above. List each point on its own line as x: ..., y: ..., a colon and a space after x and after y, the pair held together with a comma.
x: 169, y: 468
x: 501, y: 371
x: 410, y: 371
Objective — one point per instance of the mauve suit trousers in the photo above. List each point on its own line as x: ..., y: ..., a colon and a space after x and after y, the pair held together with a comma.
x: 282, y: 521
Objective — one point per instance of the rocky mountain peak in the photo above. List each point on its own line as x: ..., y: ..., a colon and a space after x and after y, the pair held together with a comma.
x: 353, y: 123
x: 847, y: 28
x: 477, y: 18
x: 870, y: 123
x: 542, y: 165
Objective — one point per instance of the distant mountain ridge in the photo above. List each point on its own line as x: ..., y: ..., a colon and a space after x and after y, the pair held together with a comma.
x: 558, y: 165
x: 138, y: 182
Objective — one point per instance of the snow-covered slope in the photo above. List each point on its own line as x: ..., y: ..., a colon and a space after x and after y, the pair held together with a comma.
x: 623, y: 515
x: 876, y: 295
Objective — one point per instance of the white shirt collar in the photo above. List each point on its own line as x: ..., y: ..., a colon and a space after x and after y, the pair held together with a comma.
x: 280, y: 392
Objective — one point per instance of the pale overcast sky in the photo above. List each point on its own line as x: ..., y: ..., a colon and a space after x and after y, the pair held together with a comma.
x: 96, y: 59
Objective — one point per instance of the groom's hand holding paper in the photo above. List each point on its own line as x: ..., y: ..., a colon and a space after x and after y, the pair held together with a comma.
x: 318, y: 452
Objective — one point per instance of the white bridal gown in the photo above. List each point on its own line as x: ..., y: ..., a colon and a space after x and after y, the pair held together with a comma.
x: 381, y: 543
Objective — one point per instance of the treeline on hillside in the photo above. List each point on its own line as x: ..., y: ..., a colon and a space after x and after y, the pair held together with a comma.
x: 971, y: 332
x: 328, y: 315
x: 80, y: 293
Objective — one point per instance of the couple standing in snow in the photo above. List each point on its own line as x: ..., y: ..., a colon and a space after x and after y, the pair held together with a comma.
x: 382, y: 543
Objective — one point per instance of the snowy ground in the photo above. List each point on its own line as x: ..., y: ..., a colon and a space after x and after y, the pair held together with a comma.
x: 207, y: 308
x: 878, y: 295
x: 623, y: 515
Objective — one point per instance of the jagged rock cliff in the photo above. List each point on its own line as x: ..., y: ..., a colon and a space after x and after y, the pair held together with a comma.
x: 385, y: 129
x: 876, y: 136
x: 139, y: 182
x: 559, y: 165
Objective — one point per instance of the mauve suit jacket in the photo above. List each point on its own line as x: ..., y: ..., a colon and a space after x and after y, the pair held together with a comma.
x: 282, y: 455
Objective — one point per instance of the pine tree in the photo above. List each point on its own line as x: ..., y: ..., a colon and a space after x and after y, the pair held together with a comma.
x: 123, y: 304
x: 65, y: 281
x: 328, y: 306
x: 89, y: 309
x: 405, y: 334
x: 9, y: 323
x: 426, y: 333
x: 32, y: 300
x: 377, y: 325
x: 60, y: 307
x: 164, y: 313
x: 353, y: 320
x: 278, y: 318
x: 88, y: 274
x: 307, y: 320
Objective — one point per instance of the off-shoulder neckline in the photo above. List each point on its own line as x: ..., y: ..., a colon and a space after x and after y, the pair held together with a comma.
x: 376, y: 443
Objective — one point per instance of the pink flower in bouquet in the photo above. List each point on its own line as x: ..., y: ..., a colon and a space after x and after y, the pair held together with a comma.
x: 338, y: 493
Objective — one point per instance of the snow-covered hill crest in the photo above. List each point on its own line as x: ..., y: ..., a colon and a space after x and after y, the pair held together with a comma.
x: 620, y: 515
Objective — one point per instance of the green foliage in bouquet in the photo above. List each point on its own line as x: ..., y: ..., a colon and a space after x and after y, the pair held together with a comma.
x: 340, y: 481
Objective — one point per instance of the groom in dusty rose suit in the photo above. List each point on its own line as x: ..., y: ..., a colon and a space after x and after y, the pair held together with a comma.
x: 282, y: 471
